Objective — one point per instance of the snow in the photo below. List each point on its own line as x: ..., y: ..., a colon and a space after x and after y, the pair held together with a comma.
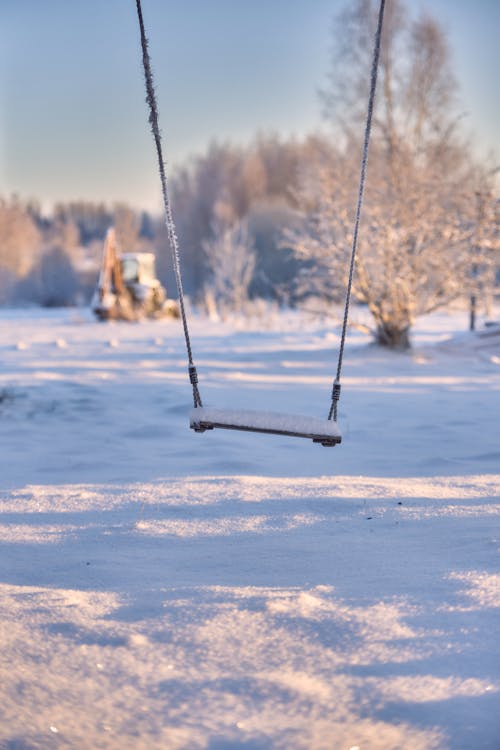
x: 161, y: 589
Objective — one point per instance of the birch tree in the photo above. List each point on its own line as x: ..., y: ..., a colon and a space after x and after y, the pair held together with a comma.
x: 416, y: 222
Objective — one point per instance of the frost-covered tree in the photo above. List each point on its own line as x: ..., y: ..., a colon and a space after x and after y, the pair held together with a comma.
x: 416, y: 224
x: 484, y: 253
x: 127, y: 224
x: 230, y: 256
x: 91, y: 219
x: 261, y: 175
x: 19, y: 243
x: 51, y: 282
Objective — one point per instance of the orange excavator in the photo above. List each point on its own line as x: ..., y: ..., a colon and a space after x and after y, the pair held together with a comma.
x: 127, y: 288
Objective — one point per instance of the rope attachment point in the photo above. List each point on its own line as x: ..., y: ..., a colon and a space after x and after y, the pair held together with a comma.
x: 335, y: 399
x: 336, y: 391
x: 193, y: 377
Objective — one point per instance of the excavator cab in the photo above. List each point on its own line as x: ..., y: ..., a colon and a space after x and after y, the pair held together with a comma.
x: 138, y: 268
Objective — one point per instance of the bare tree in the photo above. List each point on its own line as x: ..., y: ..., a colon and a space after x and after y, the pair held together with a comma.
x: 416, y: 227
x: 484, y: 252
x: 264, y: 173
x: 19, y: 244
x: 230, y: 256
x: 127, y: 225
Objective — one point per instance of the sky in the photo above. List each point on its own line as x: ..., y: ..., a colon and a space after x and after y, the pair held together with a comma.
x: 73, y: 121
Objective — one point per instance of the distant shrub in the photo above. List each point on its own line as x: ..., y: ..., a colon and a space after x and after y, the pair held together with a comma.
x: 52, y: 282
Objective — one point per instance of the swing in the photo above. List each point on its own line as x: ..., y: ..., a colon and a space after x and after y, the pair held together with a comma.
x: 322, y: 431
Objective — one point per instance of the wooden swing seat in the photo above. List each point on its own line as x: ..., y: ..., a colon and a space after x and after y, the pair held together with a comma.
x: 324, y: 431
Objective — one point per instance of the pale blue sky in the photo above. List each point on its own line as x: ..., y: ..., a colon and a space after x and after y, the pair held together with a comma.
x: 73, y: 118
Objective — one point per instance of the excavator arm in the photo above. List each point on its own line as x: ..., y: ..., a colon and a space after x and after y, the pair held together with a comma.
x: 110, y: 276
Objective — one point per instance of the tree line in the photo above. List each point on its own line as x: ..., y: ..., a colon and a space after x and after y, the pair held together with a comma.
x: 273, y: 219
x: 250, y: 191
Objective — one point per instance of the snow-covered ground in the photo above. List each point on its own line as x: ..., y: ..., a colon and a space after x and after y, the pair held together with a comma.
x: 162, y: 590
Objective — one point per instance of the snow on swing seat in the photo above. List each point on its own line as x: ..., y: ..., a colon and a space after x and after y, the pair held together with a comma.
x: 323, y: 431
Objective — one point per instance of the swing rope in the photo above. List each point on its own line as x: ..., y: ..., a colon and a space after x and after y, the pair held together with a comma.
x: 368, y: 126
x: 169, y: 220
